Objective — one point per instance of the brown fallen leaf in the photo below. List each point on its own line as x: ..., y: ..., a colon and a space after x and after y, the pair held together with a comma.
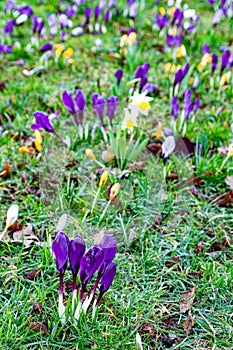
x: 198, y: 193
x: 6, y: 172
x: 38, y: 327
x: 188, y: 324
x: 32, y: 274
x: 147, y: 328
x: 172, y: 261
x: 27, y: 236
x: 224, y: 199
x: 187, y: 300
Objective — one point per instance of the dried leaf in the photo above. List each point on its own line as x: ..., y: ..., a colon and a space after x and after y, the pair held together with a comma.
x: 147, y: 328
x: 188, y: 324
x: 184, y: 147
x: 223, y: 199
x: 32, y: 274
x: 187, y: 300
x: 27, y: 236
x: 6, y: 172
x: 38, y: 327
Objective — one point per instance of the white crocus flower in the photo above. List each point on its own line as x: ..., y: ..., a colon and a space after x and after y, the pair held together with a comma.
x: 168, y: 146
x: 141, y: 101
x: 12, y: 216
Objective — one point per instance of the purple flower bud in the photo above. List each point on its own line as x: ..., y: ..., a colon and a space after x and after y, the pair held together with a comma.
x: 97, y: 12
x: 107, y: 277
x: 87, y: 13
x: 42, y: 122
x: 80, y: 101
x: 214, y: 62
x: 90, y: 263
x: 107, y: 16
x: 187, y: 97
x: 40, y: 25
x: 150, y: 89
x: 27, y: 10
x: 205, y: 49
x: 68, y: 102
x: 177, y: 17
x: 161, y: 20
x: 70, y: 12
x: 109, y: 246
x: 34, y: 23
x: 173, y: 41
x: 5, y: 48
x: 178, y: 76
x: 112, y: 104
x: 99, y: 105
x: 188, y: 110
x: 185, y: 69
x: 60, y: 249
x: 46, y: 47
x: 118, y: 75
x: 225, y: 59
x: 175, y: 108
x: 139, y: 72
x: 8, y: 29
x: 196, y: 105
x: 217, y: 17
x: 146, y: 67
x: 76, y: 250
x: 167, y: 132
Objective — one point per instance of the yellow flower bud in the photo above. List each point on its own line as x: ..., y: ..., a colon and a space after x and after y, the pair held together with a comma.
x: 103, y: 179
x: 38, y: 141
x: 131, y: 38
x: 230, y: 151
x: 223, y: 80
x: 162, y: 11
x: 68, y: 53
x: 171, y: 11
x: 114, y: 191
x: 181, y: 51
x: 90, y: 154
x: 191, y: 80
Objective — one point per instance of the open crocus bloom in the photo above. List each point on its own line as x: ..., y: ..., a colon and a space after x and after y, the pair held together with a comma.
x: 141, y: 101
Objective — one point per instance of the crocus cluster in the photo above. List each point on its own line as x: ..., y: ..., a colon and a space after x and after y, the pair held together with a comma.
x: 189, y: 106
x: 76, y: 108
x: 96, y: 262
x: 99, y: 103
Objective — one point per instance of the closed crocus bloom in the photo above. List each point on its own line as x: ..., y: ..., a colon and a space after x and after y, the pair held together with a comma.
x: 34, y: 23
x: 68, y: 102
x: 175, y: 108
x: 87, y: 13
x: 97, y: 12
x: 60, y: 249
x: 80, y: 101
x: 99, y: 105
x: 196, y: 105
x: 90, y: 154
x: 205, y: 49
x: 118, y: 75
x: 225, y: 59
x: 112, y: 104
x: 178, y: 76
x: 214, y: 62
x: 42, y: 122
x: 46, y: 47
x: 107, y: 278
x: 149, y: 89
x: 103, y: 179
x: 90, y: 263
x: 76, y: 251
x: 109, y: 246
x: 114, y: 191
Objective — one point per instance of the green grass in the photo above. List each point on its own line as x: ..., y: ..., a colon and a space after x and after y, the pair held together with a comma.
x: 145, y: 295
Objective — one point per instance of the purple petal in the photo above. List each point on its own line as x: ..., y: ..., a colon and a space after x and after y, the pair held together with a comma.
x: 43, y: 121
x: 109, y: 246
x: 46, y: 47
x: 80, y: 101
x: 118, y: 75
x: 90, y: 263
x: 107, y: 277
x: 60, y: 249
x: 76, y: 250
x: 68, y: 102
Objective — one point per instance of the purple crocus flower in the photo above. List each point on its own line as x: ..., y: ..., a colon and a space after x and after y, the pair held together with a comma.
x: 214, y: 62
x: 112, y: 104
x: 90, y: 263
x: 42, y: 122
x: 196, y: 105
x: 119, y: 75
x: 87, y: 13
x: 188, y: 110
x: 205, y: 49
x: 150, y: 89
x: 187, y: 97
x: 60, y: 249
x: 107, y: 278
x: 99, y: 105
x: 70, y: 12
x: 76, y: 251
x: 174, y: 41
x: 5, y: 48
x: 217, y: 17
x: 177, y: 17
x: 80, y: 101
x: 26, y: 10
x: 8, y: 29
x: 175, y: 108
x: 40, y: 25
x: 46, y: 47
x: 68, y: 102
x: 224, y: 60
x: 97, y: 12
x: 107, y: 16
x: 109, y: 246
x: 180, y: 74
x: 161, y: 20
x: 34, y: 23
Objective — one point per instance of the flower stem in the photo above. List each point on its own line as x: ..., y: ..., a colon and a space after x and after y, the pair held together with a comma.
x: 104, y: 212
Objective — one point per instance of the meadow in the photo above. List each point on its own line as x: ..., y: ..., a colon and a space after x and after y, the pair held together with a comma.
x: 116, y: 140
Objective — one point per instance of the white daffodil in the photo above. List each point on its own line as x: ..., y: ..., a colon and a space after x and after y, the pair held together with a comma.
x: 141, y: 101
x: 130, y: 119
